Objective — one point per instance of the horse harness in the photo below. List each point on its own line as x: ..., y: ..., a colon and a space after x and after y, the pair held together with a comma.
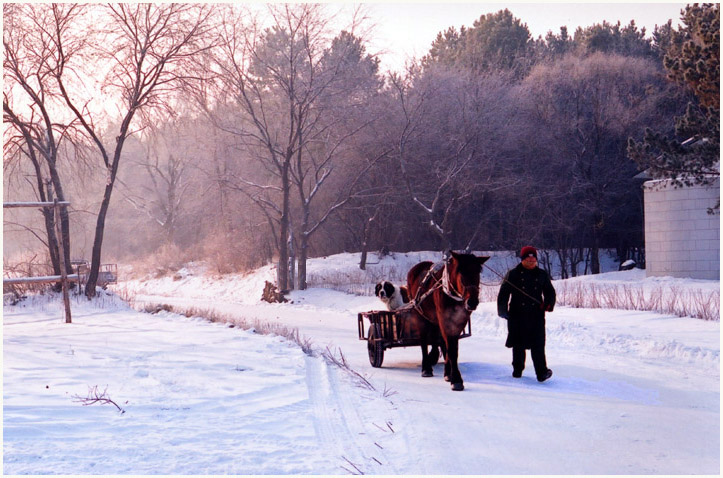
x: 443, y: 283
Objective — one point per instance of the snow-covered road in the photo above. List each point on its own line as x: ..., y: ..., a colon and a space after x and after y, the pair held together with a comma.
x: 633, y: 392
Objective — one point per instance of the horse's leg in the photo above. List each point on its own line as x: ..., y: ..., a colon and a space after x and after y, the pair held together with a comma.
x: 434, y: 349
x: 421, y: 330
x: 452, y: 354
x: 447, y: 368
x: 447, y: 363
x: 433, y: 337
x: 426, y: 362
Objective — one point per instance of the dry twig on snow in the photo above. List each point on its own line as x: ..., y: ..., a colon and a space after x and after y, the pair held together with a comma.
x: 94, y: 396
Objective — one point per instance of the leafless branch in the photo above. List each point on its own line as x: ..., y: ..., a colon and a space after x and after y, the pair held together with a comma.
x: 95, y: 396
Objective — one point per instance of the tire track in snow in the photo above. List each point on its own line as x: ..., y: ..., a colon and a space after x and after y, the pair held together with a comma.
x: 342, y: 423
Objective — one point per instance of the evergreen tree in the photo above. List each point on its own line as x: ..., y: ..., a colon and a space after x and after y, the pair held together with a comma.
x: 608, y: 38
x: 559, y: 45
x: 694, y: 58
x: 692, y: 61
x: 446, y: 48
x: 496, y: 42
x: 663, y: 37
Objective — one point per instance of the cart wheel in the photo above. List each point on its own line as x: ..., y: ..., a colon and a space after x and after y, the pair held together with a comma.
x: 434, y: 355
x: 375, y: 348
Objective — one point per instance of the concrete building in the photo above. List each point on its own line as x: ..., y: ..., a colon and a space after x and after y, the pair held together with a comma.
x: 681, y: 238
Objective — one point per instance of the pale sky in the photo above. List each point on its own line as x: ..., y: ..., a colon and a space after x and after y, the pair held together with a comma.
x: 405, y: 30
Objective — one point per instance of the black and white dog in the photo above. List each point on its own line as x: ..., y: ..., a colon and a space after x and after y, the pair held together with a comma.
x: 392, y: 295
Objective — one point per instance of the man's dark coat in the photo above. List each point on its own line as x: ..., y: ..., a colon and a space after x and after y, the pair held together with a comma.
x: 525, y: 314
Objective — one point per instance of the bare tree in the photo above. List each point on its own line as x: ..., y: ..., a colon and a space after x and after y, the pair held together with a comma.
x: 169, y: 151
x: 260, y: 74
x: 346, y: 82
x: 448, y: 147
x: 30, y: 103
x: 283, y: 81
x: 146, y: 51
x: 583, y: 110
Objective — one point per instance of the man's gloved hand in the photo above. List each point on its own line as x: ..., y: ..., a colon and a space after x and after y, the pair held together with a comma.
x: 504, y: 315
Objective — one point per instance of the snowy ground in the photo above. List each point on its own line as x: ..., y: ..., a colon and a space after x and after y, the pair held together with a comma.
x: 632, y: 392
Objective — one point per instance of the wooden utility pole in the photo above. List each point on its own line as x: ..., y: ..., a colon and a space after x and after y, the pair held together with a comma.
x: 63, y: 271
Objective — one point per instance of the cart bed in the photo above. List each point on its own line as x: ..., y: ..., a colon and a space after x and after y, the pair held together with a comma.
x: 390, y: 328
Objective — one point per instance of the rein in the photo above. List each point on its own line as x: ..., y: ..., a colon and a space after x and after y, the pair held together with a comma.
x: 448, y: 289
x: 513, y: 285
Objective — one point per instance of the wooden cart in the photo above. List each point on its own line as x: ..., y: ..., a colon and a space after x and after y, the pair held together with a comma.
x: 387, y: 330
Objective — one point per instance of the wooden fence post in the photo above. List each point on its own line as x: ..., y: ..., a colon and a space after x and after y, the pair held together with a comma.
x: 63, y: 271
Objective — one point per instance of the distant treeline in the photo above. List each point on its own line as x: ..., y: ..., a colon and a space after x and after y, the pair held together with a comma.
x: 226, y: 139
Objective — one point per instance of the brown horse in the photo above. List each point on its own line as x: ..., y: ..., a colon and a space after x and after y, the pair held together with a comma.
x: 446, y: 295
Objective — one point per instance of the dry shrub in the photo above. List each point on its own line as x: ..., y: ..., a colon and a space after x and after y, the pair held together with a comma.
x: 212, y: 315
x: 166, y: 259
x: 14, y: 292
x: 292, y: 334
x: 706, y: 306
x: 337, y: 358
x: 26, y: 265
x: 357, y: 281
x: 678, y: 301
x: 227, y: 253
x: 156, y: 308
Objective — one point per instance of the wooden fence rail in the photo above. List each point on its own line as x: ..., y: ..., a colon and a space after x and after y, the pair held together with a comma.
x: 39, y: 279
x: 36, y: 204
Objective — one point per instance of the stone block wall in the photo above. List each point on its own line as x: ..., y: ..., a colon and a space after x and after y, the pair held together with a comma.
x: 681, y: 238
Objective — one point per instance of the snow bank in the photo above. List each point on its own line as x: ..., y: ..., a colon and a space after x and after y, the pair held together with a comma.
x: 198, y: 398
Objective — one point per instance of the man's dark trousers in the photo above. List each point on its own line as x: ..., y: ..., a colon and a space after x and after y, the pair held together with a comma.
x: 538, y: 359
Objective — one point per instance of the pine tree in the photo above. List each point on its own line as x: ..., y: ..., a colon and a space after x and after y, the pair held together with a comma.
x: 613, y: 38
x: 496, y: 42
x: 692, y: 61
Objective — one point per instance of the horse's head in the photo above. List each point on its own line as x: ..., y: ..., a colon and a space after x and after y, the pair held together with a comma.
x: 464, y: 272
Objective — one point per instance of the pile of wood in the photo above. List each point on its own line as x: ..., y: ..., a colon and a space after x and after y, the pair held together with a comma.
x: 272, y: 294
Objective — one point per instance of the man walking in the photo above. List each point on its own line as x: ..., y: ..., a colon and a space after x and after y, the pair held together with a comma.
x: 525, y: 295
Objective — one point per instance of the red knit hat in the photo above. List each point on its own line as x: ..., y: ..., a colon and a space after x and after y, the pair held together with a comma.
x: 528, y: 251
